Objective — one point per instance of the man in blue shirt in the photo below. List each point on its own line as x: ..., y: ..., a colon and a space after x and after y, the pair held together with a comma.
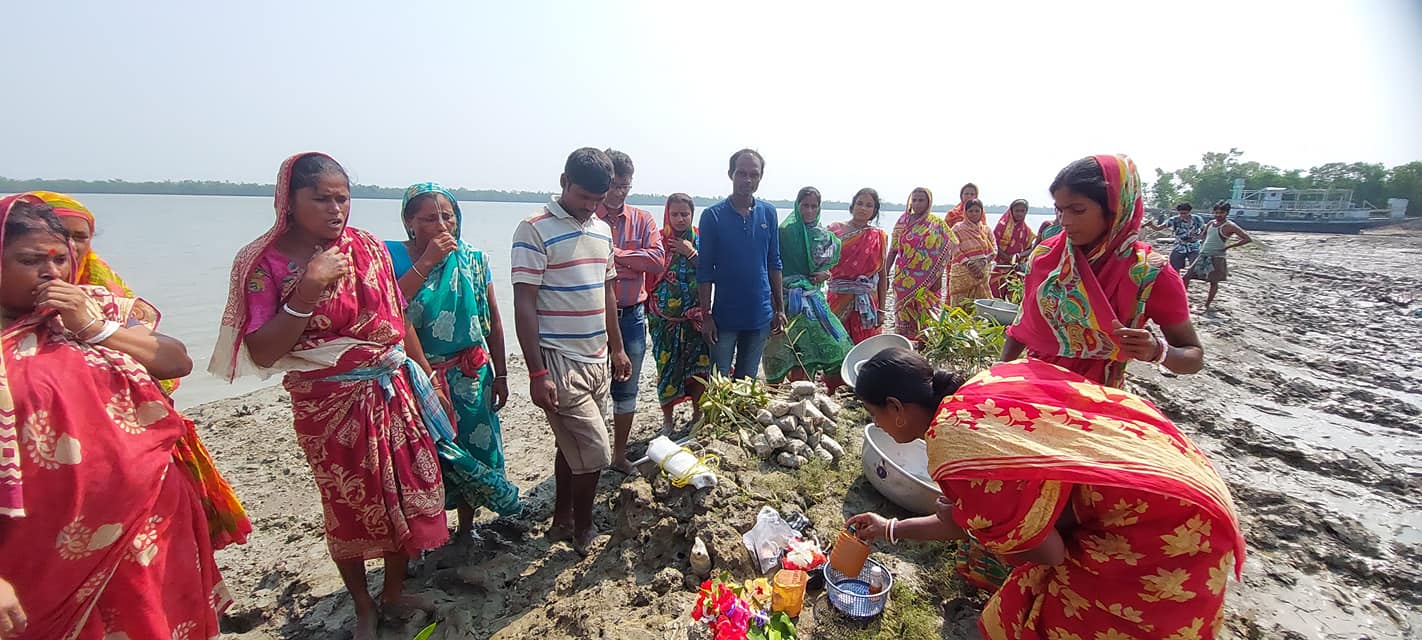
x: 1188, y: 229
x: 738, y: 274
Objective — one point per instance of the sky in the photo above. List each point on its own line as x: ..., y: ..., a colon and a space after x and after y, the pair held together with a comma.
x: 891, y: 95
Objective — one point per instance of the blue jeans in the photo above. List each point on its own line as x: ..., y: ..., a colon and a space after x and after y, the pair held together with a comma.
x: 633, y: 322
x: 744, y: 346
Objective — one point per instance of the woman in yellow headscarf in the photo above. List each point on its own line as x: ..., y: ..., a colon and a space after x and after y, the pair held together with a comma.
x: 91, y: 269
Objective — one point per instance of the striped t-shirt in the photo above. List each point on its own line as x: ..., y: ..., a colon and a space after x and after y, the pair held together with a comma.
x: 571, y: 262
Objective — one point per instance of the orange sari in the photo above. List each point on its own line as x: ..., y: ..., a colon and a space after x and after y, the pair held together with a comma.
x: 1156, y: 535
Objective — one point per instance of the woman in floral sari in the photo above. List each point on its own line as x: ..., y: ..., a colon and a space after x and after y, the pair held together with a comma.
x: 1118, y: 525
x: 970, y: 246
x: 1092, y: 288
x: 681, y: 354
x: 814, y: 341
x: 318, y: 299
x: 918, y: 252
x: 103, y: 528
x: 859, y: 284
x: 1014, y: 243
x: 454, y: 311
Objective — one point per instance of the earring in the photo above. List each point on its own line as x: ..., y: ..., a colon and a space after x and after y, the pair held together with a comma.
x: 899, y: 421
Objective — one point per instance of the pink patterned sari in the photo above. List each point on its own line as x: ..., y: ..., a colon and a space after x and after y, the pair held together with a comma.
x: 355, y: 414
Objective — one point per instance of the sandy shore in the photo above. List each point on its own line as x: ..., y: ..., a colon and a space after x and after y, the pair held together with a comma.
x: 1310, y: 405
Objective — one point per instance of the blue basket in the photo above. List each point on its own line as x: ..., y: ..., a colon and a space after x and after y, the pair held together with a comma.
x: 853, y: 596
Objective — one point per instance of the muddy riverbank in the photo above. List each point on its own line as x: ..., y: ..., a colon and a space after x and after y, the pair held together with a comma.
x: 1310, y: 405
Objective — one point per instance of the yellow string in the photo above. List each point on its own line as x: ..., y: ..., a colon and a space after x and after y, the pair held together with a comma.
x: 683, y: 479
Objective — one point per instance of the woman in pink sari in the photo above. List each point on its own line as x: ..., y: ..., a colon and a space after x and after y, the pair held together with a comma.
x: 859, y: 283
x: 103, y: 528
x: 318, y: 299
x: 917, y: 252
x: 1014, y: 243
x: 1092, y: 288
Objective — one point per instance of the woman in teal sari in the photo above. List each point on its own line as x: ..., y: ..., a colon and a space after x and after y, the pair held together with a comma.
x: 814, y: 340
x: 450, y: 294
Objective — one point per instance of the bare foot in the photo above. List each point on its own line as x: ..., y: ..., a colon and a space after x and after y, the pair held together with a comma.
x: 583, y: 542
x: 561, y: 529
x: 365, y: 625
x: 668, y: 425
x: 624, y: 466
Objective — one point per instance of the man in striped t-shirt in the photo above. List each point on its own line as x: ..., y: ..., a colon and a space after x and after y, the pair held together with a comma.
x: 566, y: 316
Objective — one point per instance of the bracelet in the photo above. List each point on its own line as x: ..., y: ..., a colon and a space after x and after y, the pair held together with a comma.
x: 503, y: 376
x: 108, y: 331
x: 534, y: 375
x: 1159, y: 359
x: 421, y: 273
x: 297, y: 314
x: 86, y: 327
x: 892, y: 538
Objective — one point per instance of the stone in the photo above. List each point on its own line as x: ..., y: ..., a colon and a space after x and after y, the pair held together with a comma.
x: 831, y: 445
x: 700, y: 559
x: 765, y: 417
x: 789, y: 460
x: 802, y: 388
x: 774, y: 437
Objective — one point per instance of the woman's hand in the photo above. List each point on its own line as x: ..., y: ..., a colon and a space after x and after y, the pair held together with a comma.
x: 500, y: 391
x: 1141, y: 344
x: 76, y: 309
x: 683, y: 248
x: 435, y: 252
x: 819, y: 277
x: 326, y: 267
x: 12, y: 617
x: 868, y: 526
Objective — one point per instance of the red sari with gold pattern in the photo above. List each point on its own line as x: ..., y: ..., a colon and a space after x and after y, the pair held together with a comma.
x: 111, y: 539
x: 1155, y: 534
x: 356, y: 417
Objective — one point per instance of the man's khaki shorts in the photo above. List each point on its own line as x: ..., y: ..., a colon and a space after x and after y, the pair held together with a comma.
x: 579, y: 425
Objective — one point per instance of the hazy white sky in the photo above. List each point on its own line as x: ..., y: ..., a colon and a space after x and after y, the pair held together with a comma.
x: 836, y: 95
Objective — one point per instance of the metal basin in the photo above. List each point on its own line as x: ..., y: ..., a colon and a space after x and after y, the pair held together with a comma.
x: 1000, y: 310
x: 900, y: 471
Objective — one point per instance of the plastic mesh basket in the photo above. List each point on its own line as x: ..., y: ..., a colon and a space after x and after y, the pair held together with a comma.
x: 854, y: 596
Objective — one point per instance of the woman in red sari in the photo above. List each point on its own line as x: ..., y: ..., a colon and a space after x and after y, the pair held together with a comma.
x: 1118, y: 525
x: 859, y: 283
x: 1014, y: 243
x: 1091, y: 288
x: 103, y: 528
x: 318, y: 299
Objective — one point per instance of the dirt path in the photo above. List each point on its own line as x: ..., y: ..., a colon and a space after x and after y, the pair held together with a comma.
x: 1311, y: 406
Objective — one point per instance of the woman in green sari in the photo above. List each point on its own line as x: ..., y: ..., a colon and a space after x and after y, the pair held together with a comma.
x: 450, y: 294
x: 814, y: 340
x: 674, y: 316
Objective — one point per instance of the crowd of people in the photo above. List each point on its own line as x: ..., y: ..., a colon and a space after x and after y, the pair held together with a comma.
x: 394, y: 357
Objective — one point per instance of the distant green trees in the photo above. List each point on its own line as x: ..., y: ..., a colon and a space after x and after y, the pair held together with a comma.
x: 1212, y: 179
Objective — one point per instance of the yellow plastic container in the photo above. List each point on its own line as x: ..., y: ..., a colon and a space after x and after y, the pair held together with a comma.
x: 788, y: 591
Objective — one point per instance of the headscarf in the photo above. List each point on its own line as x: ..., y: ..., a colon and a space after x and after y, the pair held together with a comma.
x: 12, y: 495
x: 229, y: 356
x: 809, y: 241
x: 1010, y: 233
x: 450, y: 305
x: 1072, y: 299
x: 91, y: 268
